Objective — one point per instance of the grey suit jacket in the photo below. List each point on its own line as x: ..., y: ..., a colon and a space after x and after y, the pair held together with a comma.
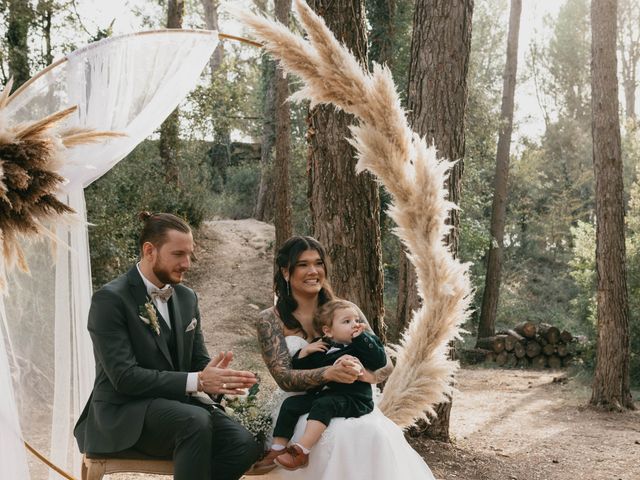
x: 133, y: 363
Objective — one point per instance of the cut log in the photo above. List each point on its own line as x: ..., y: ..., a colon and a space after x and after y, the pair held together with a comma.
x: 549, y: 349
x: 473, y: 356
x: 526, y: 329
x: 501, y: 358
x: 514, y: 334
x: 539, y: 362
x: 563, y: 350
x: 519, y: 350
x: 490, y: 358
x: 512, y: 360
x: 533, y: 349
x: 495, y: 344
x: 524, y: 362
x: 510, y: 343
x: 566, y: 336
x: 549, y: 332
x: 554, y: 361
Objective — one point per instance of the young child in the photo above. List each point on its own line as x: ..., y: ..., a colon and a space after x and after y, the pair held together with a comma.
x: 344, y: 335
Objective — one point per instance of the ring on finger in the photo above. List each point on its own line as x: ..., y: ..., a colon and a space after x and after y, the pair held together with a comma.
x: 224, y: 385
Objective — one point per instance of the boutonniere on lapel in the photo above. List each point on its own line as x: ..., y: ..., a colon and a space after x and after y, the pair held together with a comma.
x: 148, y: 315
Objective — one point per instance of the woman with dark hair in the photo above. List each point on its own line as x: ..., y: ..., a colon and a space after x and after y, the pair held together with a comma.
x: 370, y: 446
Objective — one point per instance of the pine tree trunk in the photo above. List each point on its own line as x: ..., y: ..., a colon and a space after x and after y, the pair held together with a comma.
x: 265, y: 200
x: 211, y: 20
x: 611, y: 380
x: 345, y: 207
x: 382, y: 18
x: 629, y: 46
x: 487, y: 324
x: 437, y: 99
x: 19, y: 22
x: 282, y: 210
x: 170, y: 128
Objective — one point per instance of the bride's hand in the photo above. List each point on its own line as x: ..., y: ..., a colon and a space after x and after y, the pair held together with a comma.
x: 341, y: 372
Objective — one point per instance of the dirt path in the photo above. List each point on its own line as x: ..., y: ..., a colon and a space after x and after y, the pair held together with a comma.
x: 505, y: 424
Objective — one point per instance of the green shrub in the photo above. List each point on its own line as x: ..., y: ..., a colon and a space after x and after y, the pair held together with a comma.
x: 137, y: 183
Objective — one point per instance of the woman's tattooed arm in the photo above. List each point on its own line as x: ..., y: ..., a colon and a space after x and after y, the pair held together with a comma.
x: 276, y: 356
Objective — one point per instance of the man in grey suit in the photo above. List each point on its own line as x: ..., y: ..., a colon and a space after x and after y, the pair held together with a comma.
x: 153, y: 369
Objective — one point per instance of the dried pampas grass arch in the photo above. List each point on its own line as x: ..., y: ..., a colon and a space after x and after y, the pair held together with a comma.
x: 387, y: 147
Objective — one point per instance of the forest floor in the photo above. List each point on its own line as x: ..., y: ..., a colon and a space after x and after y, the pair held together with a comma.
x: 505, y: 424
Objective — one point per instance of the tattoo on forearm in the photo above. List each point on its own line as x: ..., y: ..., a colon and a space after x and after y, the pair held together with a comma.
x: 276, y: 357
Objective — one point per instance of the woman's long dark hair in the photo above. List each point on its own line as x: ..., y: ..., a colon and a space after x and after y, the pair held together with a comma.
x: 286, y: 258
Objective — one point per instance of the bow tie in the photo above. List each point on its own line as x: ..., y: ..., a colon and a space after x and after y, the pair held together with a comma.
x: 164, y: 294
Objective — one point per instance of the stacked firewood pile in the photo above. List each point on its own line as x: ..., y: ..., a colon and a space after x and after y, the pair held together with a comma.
x: 527, y: 345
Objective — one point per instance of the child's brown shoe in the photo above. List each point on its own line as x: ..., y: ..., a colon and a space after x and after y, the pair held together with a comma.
x: 266, y: 464
x: 294, y: 458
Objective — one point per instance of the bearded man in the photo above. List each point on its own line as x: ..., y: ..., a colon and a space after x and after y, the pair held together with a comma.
x: 154, y: 377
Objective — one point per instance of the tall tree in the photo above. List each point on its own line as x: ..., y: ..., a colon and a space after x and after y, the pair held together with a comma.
x: 611, y: 380
x: 437, y: 99
x: 345, y: 207
x: 487, y: 323
x: 382, y: 16
x: 629, y: 47
x: 20, y: 17
x: 282, y: 210
x: 211, y: 21
x: 265, y: 199
x: 170, y: 128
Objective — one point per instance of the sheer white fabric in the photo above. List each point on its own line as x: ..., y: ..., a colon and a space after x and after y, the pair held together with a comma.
x: 128, y: 84
x: 370, y: 447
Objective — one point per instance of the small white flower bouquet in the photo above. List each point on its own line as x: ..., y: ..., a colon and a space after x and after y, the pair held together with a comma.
x: 252, y: 412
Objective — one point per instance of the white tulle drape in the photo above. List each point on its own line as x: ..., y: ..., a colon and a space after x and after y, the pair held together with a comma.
x: 129, y: 84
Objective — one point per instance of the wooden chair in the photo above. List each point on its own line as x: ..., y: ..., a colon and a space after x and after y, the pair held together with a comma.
x: 95, y: 467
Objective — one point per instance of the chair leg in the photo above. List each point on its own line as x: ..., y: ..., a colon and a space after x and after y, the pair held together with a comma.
x: 96, y: 469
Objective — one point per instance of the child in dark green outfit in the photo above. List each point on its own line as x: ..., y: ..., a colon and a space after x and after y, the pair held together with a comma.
x: 344, y: 334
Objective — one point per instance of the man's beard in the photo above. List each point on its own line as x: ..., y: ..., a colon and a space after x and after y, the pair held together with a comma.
x: 163, y: 275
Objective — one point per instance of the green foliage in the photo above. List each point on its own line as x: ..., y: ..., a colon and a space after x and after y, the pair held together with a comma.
x: 583, y: 265
x: 238, y: 196
x: 135, y: 184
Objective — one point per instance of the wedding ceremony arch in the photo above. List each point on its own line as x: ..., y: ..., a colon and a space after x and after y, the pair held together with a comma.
x: 130, y: 84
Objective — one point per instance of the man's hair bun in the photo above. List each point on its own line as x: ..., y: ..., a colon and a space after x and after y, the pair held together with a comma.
x: 145, y: 215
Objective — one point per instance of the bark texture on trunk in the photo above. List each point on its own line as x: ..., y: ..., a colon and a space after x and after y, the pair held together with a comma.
x: 345, y: 207
x: 211, y: 21
x: 17, y: 32
x: 611, y: 387
x: 437, y: 99
x: 265, y: 200
x: 491, y: 295
x: 170, y: 128
x: 282, y: 210
x: 629, y: 47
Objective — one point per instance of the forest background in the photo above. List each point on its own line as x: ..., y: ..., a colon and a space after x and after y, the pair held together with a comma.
x: 214, y: 158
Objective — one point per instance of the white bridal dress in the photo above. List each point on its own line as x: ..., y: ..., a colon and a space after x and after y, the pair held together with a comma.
x: 371, y: 447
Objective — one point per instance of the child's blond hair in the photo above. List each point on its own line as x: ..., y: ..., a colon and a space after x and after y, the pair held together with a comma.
x: 324, y: 315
